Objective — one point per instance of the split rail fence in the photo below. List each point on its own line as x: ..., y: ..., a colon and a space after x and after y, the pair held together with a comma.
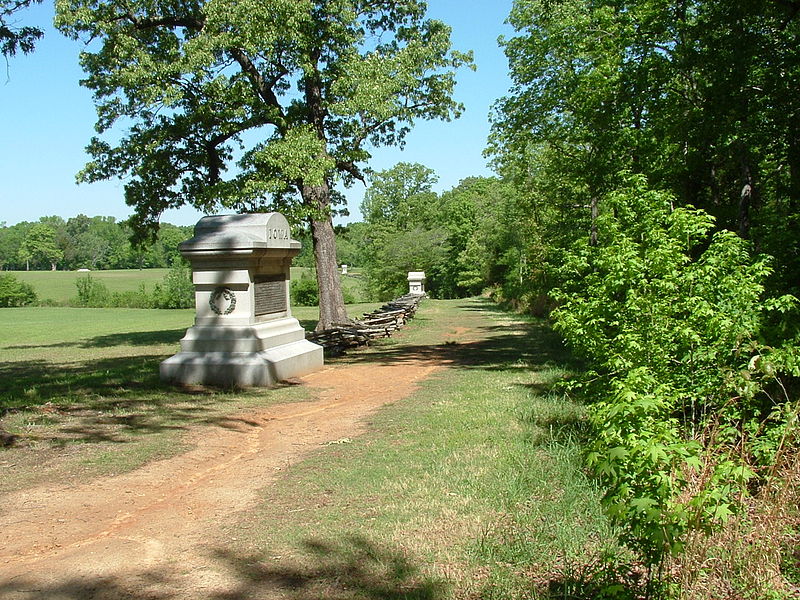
x: 382, y: 322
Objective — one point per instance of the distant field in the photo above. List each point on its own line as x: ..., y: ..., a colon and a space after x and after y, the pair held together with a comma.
x: 59, y: 286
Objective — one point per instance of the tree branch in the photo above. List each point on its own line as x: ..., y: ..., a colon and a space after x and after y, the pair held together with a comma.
x: 262, y: 86
x: 152, y: 23
x: 351, y: 168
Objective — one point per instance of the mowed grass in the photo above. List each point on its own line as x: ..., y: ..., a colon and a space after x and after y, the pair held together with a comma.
x: 470, y: 488
x: 58, y: 287
x: 81, y: 389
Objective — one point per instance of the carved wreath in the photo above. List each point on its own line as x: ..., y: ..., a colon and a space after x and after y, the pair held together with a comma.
x: 225, y: 294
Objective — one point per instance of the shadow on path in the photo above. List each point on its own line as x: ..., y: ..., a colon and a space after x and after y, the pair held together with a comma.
x: 352, y: 568
x: 529, y: 346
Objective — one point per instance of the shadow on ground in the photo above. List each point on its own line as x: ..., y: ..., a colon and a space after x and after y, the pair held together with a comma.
x: 353, y: 568
x: 530, y: 346
x: 108, y: 400
x: 133, y: 338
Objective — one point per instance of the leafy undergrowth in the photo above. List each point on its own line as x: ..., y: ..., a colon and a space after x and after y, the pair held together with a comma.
x: 471, y: 488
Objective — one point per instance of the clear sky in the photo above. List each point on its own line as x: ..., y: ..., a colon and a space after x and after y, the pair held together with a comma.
x: 46, y: 120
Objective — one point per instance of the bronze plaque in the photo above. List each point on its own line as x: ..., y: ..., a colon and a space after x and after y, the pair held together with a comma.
x: 269, y: 294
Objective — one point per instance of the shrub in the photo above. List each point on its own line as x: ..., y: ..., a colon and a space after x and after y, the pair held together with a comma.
x: 14, y: 292
x: 177, y: 289
x: 92, y: 293
x: 305, y: 291
x: 688, y: 413
x: 132, y: 299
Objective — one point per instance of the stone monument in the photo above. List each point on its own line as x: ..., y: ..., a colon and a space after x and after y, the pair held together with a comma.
x: 244, y: 333
x: 416, y: 282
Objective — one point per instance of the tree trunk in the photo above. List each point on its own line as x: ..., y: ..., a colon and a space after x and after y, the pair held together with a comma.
x: 593, y: 231
x: 331, y: 301
x: 745, y: 201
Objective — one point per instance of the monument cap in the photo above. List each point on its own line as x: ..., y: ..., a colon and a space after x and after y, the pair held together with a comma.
x: 239, y: 232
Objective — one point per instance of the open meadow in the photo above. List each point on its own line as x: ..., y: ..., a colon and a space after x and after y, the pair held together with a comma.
x: 467, y: 485
x: 58, y: 287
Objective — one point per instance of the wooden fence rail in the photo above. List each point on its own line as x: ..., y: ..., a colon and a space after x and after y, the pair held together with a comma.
x: 379, y: 323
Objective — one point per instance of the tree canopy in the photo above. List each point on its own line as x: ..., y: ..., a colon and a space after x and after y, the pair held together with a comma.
x: 696, y: 95
x: 12, y: 37
x: 251, y: 106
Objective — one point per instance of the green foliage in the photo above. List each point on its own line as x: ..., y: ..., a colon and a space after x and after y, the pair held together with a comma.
x: 685, y: 331
x: 400, y: 196
x: 14, y: 292
x: 396, y: 253
x: 39, y: 246
x: 693, y: 95
x: 671, y: 318
x: 304, y: 291
x: 91, y: 293
x: 228, y: 104
x: 177, y: 289
x: 465, y: 240
x: 13, y: 38
x: 86, y: 242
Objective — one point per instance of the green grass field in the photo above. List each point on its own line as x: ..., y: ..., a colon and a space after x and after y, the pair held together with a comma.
x: 471, y: 488
x: 59, y: 286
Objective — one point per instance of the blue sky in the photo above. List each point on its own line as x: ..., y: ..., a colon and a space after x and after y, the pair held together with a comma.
x: 47, y: 120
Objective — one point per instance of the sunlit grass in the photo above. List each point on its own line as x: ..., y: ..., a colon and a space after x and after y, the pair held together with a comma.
x: 81, y: 389
x: 475, y: 479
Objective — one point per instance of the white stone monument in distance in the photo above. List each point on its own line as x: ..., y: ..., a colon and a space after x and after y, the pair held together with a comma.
x: 244, y: 333
x: 416, y: 282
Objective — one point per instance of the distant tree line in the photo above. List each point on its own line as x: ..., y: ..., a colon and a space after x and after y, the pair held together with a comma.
x: 82, y: 242
x: 465, y: 239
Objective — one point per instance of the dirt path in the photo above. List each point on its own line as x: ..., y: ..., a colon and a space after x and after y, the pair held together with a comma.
x: 65, y: 542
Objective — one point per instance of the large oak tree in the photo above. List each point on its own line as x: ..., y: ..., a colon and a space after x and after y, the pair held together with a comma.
x: 249, y: 105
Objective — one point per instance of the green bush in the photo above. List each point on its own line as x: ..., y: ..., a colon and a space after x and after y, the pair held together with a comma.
x: 177, y: 289
x: 132, y: 299
x: 688, y: 411
x: 14, y: 292
x: 305, y: 291
x: 92, y: 293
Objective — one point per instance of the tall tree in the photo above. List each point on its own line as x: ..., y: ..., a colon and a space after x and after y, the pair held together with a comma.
x: 12, y: 37
x: 694, y: 94
x: 401, y: 196
x: 399, y: 234
x: 40, y: 246
x: 287, y: 95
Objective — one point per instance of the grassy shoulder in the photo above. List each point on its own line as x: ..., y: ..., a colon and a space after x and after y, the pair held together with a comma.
x: 469, y: 488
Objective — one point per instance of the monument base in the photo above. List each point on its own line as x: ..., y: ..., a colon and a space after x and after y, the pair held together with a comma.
x: 242, y: 369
